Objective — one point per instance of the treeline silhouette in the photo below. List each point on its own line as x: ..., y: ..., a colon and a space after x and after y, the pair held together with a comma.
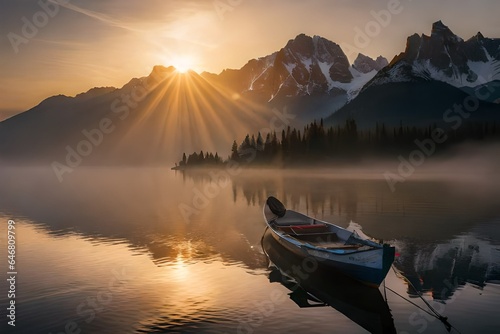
x: 197, y: 159
x: 318, y: 143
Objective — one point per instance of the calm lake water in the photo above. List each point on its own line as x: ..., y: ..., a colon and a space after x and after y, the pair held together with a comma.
x: 152, y: 251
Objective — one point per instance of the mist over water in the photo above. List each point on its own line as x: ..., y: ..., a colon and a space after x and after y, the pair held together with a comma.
x: 189, y: 243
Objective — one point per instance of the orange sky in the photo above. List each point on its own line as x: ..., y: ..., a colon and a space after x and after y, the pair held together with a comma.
x: 83, y: 44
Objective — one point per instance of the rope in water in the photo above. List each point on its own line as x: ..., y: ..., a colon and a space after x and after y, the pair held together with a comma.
x: 409, y: 301
x: 418, y: 294
x: 435, y: 313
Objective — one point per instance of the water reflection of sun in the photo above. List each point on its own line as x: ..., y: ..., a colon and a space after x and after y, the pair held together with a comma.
x: 189, y: 282
x: 179, y: 269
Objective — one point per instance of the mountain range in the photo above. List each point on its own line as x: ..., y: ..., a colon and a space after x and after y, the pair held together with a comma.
x: 434, y: 74
x: 155, y: 118
x: 305, y: 66
x: 445, y: 57
x: 311, y: 76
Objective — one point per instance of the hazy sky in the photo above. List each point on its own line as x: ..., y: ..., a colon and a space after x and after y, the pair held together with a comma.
x: 81, y: 44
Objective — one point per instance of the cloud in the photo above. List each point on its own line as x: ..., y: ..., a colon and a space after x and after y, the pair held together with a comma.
x: 99, y: 16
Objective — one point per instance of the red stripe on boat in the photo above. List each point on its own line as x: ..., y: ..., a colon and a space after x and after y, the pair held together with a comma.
x: 300, y: 227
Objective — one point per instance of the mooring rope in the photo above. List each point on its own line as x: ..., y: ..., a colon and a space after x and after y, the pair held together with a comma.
x: 435, y: 313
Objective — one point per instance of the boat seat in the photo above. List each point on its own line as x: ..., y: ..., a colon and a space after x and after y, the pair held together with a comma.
x: 305, y: 229
x: 319, y: 238
x: 282, y: 223
x: 288, y: 220
x: 309, y: 226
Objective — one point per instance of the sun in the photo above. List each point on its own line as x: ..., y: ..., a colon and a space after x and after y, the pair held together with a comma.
x: 181, y: 68
x: 183, y: 63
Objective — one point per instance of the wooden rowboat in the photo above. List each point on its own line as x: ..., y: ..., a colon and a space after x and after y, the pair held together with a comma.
x: 347, y: 252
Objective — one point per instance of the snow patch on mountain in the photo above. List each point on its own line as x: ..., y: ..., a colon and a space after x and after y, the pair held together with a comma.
x: 486, y: 72
x: 325, y: 69
x: 427, y: 71
x: 360, y: 79
x: 307, y: 62
x: 290, y: 67
x: 480, y: 73
x: 401, y: 72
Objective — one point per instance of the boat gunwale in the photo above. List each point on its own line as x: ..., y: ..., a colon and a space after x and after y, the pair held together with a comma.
x: 300, y: 245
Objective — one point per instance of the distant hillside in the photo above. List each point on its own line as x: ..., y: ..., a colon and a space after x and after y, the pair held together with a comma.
x: 417, y: 103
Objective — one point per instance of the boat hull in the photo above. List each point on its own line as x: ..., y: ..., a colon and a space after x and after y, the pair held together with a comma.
x: 368, y: 267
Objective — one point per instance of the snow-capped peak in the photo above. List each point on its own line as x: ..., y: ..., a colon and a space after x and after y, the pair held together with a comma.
x: 445, y: 57
x: 305, y: 66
